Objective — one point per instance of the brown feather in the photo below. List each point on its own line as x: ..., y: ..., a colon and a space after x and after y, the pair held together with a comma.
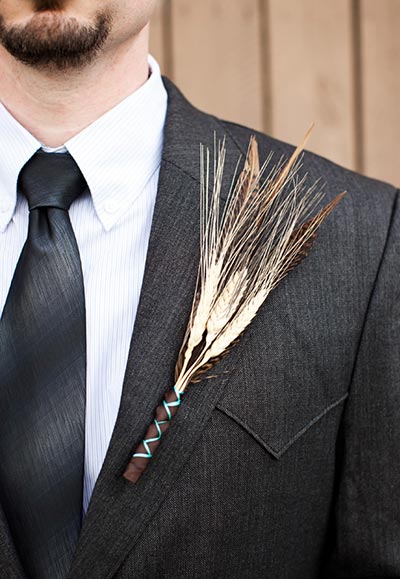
x: 301, y: 232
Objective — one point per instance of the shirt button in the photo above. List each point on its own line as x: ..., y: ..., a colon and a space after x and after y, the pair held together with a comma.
x: 5, y: 205
x: 110, y: 206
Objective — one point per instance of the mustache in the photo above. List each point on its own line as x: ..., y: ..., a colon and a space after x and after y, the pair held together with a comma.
x: 41, y: 5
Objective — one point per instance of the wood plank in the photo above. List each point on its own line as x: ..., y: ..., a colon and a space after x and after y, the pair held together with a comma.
x: 217, y: 57
x: 158, y: 33
x: 380, y: 24
x: 312, y: 75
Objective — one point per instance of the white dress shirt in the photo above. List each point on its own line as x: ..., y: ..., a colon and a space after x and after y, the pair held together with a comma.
x: 119, y: 155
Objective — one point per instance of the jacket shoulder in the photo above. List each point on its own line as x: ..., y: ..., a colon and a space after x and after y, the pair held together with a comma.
x: 361, y: 223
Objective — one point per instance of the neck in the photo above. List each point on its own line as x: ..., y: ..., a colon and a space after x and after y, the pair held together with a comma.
x: 56, y: 107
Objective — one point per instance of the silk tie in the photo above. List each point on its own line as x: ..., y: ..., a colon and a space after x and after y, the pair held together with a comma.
x: 43, y: 375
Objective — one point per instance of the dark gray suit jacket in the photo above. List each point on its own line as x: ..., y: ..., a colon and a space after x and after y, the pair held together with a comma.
x: 287, y: 464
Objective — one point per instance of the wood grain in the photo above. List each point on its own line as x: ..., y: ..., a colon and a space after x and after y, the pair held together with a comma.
x: 278, y: 65
x: 312, y: 75
x: 381, y: 88
x: 217, y: 57
x: 159, y: 35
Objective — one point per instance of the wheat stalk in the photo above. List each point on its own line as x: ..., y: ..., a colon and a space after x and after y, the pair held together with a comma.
x: 266, y: 228
x: 264, y: 232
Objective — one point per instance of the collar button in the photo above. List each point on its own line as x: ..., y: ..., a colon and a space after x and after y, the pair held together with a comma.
x: 110, y: 206
x: 5, y: 205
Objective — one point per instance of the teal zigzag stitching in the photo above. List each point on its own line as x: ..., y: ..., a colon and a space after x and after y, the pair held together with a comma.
x: 157, y: 423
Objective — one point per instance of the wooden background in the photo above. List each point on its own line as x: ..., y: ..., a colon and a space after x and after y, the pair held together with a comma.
x: 278, y: 65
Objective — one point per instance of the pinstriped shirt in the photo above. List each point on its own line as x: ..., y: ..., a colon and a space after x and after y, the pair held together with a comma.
x: 119, y: 155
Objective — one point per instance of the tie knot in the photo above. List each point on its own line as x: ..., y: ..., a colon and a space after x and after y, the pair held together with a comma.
x: 51, y: 180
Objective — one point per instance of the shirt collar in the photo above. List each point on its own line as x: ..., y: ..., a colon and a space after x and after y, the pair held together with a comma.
x: 117, y: 153
x: 17, y: 146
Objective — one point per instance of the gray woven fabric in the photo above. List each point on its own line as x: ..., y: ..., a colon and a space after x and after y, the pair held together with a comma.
x: 42, y: 375
x: 286, y: 464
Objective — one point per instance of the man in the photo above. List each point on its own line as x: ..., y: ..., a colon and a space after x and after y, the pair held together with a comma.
x: 284, y: 465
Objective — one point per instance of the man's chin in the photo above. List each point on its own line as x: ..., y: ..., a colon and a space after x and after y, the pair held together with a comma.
x: 53, y: 39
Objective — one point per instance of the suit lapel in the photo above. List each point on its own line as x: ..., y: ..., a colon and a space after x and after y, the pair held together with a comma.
x: 120, y: 511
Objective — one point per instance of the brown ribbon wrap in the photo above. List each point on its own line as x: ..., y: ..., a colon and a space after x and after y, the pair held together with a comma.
x: 138, y: 464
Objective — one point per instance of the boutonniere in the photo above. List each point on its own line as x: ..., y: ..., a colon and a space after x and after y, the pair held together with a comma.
x: 266, y: 229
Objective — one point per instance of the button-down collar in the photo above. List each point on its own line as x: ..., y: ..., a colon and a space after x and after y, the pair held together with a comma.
x: 117, y: 153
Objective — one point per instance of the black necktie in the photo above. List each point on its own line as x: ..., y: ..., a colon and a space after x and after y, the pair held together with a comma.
x: 43, y: 375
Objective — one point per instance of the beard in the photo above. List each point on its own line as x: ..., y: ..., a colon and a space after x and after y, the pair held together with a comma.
x: 53, y: 40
